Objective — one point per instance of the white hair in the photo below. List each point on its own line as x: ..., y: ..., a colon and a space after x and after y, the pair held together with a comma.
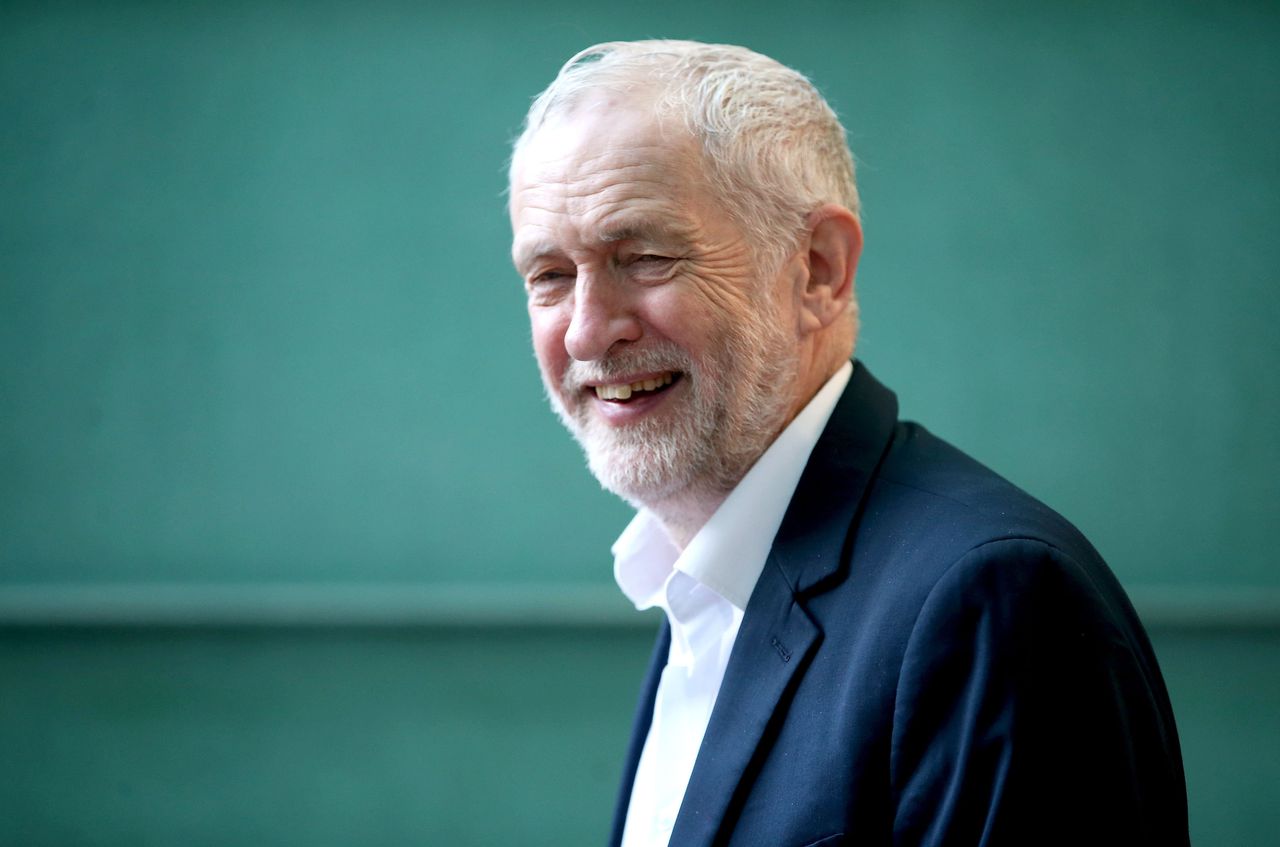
x: 773, y: 147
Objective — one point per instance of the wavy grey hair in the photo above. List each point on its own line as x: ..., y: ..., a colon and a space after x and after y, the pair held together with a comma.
x: 773, y: 147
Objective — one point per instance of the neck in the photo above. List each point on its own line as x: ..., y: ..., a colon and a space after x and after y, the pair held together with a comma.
x: 682, y: 516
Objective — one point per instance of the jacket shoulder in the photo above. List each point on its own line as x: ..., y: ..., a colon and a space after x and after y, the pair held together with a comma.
x: 929, y: 489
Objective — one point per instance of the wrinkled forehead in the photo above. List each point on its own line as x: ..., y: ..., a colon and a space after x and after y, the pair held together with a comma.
x: 603, y: 138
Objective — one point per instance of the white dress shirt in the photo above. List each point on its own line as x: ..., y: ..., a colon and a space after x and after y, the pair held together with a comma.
x: 704, y: 591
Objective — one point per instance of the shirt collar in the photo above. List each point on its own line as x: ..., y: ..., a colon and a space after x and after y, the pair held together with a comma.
x: 729, y: 552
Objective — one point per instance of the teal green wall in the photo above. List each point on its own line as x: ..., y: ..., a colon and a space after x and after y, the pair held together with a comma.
x: 261, y: 350
x: 428, y: 736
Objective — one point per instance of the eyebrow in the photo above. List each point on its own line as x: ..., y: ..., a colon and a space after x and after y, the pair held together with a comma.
x: 663, y: 230
x: 642, y: 231
x: 528, y: 253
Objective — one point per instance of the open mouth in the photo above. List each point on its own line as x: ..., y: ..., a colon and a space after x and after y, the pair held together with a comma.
x: 626, y: 392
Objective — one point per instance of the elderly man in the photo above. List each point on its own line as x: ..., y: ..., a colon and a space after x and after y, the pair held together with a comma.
x: 869, y: 637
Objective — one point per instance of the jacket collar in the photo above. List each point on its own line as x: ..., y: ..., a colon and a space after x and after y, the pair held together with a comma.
x: 810, y: 541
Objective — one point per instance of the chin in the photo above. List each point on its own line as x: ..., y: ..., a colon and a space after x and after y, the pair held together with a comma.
x: 643, y: 463
x: 642, y: 475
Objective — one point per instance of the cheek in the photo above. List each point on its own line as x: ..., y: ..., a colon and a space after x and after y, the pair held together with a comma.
x: 697, y: 324
x: 680, y: 317
x: 548, y: 330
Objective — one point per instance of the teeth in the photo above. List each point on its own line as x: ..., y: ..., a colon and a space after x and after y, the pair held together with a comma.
x: 624, y: 392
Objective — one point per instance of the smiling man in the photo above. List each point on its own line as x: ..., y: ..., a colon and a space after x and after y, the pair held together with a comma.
x: 869, y: 638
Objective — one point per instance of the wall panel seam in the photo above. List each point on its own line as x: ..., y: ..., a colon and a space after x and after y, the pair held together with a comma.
x: 488, y: 605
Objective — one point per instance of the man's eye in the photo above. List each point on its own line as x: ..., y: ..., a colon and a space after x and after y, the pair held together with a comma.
x: 549, y: 286
x: 548, y: 276
x: 649, y: 263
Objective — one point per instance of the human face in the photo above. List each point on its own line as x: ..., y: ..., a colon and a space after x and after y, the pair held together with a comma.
x: 663, y: 347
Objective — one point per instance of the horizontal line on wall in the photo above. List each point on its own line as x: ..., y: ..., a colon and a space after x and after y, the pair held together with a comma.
x: 1207, y: 606
x: 500, y: 605
x: 321, y: 604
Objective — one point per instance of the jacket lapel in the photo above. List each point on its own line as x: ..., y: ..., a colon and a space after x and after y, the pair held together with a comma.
x: 778, y: 637
x: 773, y: 645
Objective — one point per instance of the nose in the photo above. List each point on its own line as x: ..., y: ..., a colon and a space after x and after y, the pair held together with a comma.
x: 603, y: 316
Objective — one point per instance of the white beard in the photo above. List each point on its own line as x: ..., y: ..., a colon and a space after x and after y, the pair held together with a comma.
x: 734, y: 405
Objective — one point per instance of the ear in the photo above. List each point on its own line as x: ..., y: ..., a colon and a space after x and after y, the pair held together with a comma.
x: 835, y: 243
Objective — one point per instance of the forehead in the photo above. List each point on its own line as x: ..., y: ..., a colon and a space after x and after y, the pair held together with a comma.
x: 605, y: 172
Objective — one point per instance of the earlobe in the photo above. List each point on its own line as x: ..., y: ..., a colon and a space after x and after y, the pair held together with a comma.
x: 835, y: 243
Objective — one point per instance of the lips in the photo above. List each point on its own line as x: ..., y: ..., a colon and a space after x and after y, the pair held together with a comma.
x: 621, y: 392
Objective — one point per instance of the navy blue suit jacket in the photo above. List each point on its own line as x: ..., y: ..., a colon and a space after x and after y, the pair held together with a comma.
x: 930, y: 657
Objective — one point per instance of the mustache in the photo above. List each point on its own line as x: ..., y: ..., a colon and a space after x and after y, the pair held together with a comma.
x: 662, y: 357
